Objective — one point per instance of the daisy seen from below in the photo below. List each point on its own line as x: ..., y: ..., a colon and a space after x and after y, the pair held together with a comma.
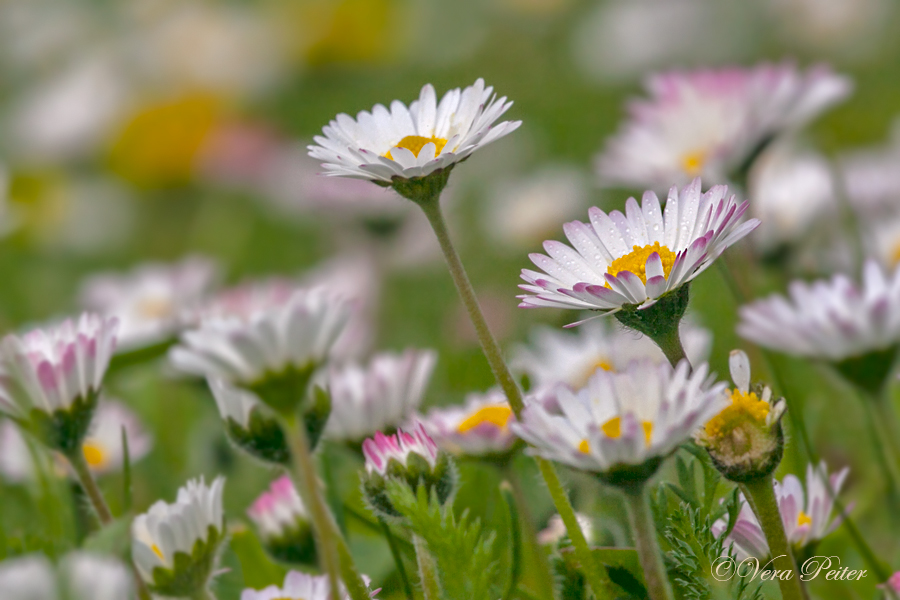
x: 480, y: 427
x: 249, y: 424
x: 192, y: 527
x: 283, y: 523
x: 807, y: 517
x: 300, y: 586
x: 406, y: 143
x: 379, y: 396
x: 713, y: 123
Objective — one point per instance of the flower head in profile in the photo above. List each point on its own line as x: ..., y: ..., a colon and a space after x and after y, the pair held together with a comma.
x: 283, y: 523
x: 406, y: 143
x: 745, y: 440
x: 52, y: 377
x: 301, y: 586
x: 807, y: 517
x: 622, y: 425
x: 379, y: 396
x: 151, y: 300
x: 480, y: 427
x: 175, y: 546
x: 712, y: 123
x: 249, y: 424
x: 79, y: 576
x: 634, y: 259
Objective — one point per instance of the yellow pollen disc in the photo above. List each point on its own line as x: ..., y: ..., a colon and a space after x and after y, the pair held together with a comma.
x: 158, y: 552
x: 613, y: 429
x: 636, y: 261
x: 894, y: 257
x: 803, y: 519
x: 155, y: 308
x: 94, y: 455
x: 415, y: 143
x: 744, y: 407
x: 584, y: 447
x: 497, y: 415
x: 693, y: 162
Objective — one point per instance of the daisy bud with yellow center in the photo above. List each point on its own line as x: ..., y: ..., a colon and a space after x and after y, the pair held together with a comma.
x: 745, y: 440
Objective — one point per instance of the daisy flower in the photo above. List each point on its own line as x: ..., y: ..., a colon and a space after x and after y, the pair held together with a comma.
x: 248, y: 423
x: 634, y: 259
x: 192, y: 527
x: 622, y: 425
x: 571, y: 357
x: 710, y: 123
x: 412, y: 142
x: 478, y: 428
x: 150, y: 300
x: 283, y: 523
x: 379, y: 396
x: 300, y: 586
x: 79, y: 576
x: 806, y: 517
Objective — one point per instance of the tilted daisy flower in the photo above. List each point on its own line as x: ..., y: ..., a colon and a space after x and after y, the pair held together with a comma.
x: 79, y: 576
x: 301, y: 586
x: 283, y: 523
x: 52, y: 377
x: 571, y: 357
x: 380, y: 396
x: 480, y: 427
x: 711, y: 123
x: 192, y: 528
x: 150, y: 300
x: 622, y: 425
x: 271, y: 350
x: 633, y: 260
x: 412, y: 142
x: 807, y: 517
x: 856, y: 327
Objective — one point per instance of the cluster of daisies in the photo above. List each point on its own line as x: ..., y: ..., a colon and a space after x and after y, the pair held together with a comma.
x: 290, y: 359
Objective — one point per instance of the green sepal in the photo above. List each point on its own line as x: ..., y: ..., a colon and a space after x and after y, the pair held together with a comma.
x: 422, y: 189
x: 762, y: 465
x: 440, y: 481
x: 263, y: 438
x: 190, y: 572
x: 65, y: 429
x: 659, y: 321
x: 631, y: 476
x: 295, y: 546
x: 869, y: 372
x: 285, y: 390
x: 316, y: 415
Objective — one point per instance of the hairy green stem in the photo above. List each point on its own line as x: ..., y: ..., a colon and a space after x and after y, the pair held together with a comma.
x: 645, y: 540
x: 878, y: 416
x: 427, y: 570
x: 398, y: 560
x: 761, y: 495
x: 595, y: 575
x: 90, y: 487
x: 670, y: 344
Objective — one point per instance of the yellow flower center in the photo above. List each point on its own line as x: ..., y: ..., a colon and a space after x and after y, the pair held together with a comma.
x: 803, y: 519
x: 584, y: 447
x: 158, y: 552
x: 415, y: 143
x: 155, y: 308
x: 744, y: 407
x: 636, y: 261
x: 497, y: 415
x: 894, y: 257
x: 94, y: 455
x: 613, y: 429
x: 600, y: 363
x: 693, y: 162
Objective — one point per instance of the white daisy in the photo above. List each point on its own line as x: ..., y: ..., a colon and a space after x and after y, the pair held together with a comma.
x: 480, y: 427
x: 637, y: 257
x: 300, y: 586
x: 872, y: 175
x: 150, y: 300
x: 571, y: 357
x: 283, y: 523
x: 831, y: 320
x: 379, y: 396
x: 416, y: 141
x: 556, y: 530
x: 169, y: 529
x: 621, y: 425
x: 709, y: 123
x: 806, y: 517
x: 79, y: 576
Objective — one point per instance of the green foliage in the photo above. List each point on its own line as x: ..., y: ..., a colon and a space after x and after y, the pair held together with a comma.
x: 190, y: 572
x: 464, y: 554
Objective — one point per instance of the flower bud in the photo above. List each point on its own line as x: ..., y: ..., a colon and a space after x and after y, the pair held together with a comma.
x: 410, y: 457
x: 283, y: 523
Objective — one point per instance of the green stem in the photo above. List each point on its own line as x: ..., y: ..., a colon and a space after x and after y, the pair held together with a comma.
x: 878, y: 416
x: 90, y: 487
x: 596, y: 576
x: 427, y: 570
x: 335, y: 558
x: 543, y: 575
x: 761, y: 495
x: 645, y: 540
x: 204, y: 594
x: 670, y: 344
x: 398, y: 560
x: 515, y: 539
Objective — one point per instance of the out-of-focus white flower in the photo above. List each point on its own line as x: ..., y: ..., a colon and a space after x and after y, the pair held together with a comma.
x: 150, y: 301
x: 193, y: 527
x: 300, y: 586
x: 791, y: 190
x: 710, y: 123
x: 880, y: 233
x: 526, y: 210
x: 80, y: 576
x: 637, y: 257
x: 283, y: 523
x: 381, y: 450
x: 379, y: 396
x: 416, y: 141
x: 806, y: 517
x: 556, y: 530
x: 571, y: 357
x: 480, y: 427
x: 621, y: 425
x: 872, y: 176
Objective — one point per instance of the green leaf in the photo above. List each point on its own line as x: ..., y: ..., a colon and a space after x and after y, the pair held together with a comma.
x: 258, y: 570
x: 114, y: 538
x: 623, y: 566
